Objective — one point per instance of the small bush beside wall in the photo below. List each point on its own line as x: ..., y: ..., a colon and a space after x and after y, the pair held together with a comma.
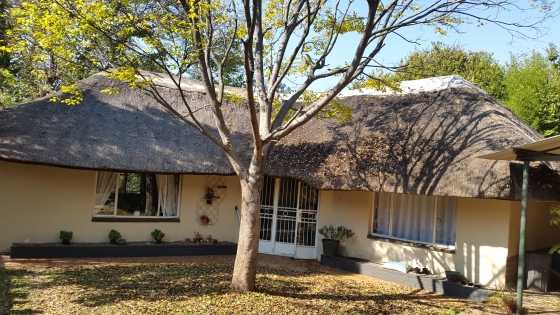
x: 65, y: 237
x: 116, y: 238
x: 158, y: 236
x: 332, y: 236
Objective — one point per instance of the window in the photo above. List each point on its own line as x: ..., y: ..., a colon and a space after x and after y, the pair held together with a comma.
x: 136, y: 194
x: 423, y: 219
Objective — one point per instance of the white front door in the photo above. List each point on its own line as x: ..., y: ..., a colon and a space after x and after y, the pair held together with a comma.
x: 288, y: 218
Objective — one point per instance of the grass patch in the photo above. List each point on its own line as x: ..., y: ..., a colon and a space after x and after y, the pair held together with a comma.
x: 167, y: 288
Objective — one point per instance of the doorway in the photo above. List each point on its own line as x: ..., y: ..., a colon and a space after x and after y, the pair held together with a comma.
x: 289, y: 210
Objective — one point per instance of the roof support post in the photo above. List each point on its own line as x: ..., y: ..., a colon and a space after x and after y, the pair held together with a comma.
x: 522, y: 224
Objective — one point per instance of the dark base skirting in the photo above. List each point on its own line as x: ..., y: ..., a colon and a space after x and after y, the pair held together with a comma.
x: 423, y: 282
x: 129, y: 250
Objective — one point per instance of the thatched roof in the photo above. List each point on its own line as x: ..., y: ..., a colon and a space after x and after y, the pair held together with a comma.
x: 417, y: 142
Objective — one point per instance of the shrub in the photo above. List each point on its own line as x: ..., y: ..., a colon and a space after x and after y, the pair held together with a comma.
x: 339, y: 233
x: 508, y: 301
x: 509, y: 304
x: 65, y: 237
x: 116, y: 238
x: 197, y: 238
x: 211, y: 240
x: 158, y: 236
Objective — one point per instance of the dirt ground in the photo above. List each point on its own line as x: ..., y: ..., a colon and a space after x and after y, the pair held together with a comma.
x: 200, y: 284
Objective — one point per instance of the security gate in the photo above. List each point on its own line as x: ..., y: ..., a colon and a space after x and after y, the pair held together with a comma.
x: 288, y: 218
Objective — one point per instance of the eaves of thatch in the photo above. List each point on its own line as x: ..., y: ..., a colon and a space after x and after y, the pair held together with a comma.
x: 421, y: 142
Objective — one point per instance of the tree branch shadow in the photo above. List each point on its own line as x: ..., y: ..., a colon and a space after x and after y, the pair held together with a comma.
x: 425, y: 143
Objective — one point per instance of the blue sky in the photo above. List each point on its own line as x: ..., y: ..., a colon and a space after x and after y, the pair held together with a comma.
x: 488, y: 38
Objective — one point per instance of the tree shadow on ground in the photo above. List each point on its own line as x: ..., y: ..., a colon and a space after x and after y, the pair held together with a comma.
x: 18, y: 291
x: 96, y: 286
x: 110, y: 284
x: 397, y: 302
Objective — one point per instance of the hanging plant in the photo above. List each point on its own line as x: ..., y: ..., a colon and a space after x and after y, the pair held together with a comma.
x: 204, y: 220
x: 210, y: 195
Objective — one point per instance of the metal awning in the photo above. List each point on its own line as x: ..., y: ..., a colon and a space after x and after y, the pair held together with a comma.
x: 543, y: 150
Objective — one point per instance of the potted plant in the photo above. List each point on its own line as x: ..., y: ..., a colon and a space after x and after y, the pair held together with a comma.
x: 65, y: 237
x: 158, y: 236
x: 197, y: 238
x: 116, y: 238
x: 210, y: 195
x: 332, y: 236
x: 204, y: 220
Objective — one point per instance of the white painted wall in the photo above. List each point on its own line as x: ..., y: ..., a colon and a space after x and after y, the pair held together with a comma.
x: 36, y: 202
x: 482, y: 234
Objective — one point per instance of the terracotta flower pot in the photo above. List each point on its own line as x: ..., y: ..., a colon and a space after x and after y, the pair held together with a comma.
x: 204, y: 220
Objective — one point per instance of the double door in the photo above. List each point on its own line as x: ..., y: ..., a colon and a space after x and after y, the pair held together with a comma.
x: 289, y: 210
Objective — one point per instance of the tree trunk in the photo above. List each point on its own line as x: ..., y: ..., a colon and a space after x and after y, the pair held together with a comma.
x: 244, y: 270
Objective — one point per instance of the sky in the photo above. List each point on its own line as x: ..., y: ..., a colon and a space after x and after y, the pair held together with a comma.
x: 488, y: 38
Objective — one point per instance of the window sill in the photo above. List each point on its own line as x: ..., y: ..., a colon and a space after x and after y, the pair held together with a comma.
x: 433, y: 247
x: 134, y: 219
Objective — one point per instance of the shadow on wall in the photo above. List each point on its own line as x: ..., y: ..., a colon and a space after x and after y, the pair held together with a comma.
x: 488, y: 271
x: 436, y: 261
x: 468, y: 258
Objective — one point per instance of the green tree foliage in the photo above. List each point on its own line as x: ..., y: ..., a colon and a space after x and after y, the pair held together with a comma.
x: 478, y: 67
x: 533, y: 90
x: 51, y: 47
x: 4, y: 57
x: 7, y: 79
x: 528, y: 85
x: 28, y: 69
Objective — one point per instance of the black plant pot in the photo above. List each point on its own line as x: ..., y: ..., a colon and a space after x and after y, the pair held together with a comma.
x: 330, y: 247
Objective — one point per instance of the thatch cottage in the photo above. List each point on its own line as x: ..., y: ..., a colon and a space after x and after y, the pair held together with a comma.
x: 403, y: 174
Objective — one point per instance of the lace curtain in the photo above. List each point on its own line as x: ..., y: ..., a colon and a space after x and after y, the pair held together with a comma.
x: 445, y: 221
x: 168, y: 194
x: 411, y: 217
x: 106, y: 182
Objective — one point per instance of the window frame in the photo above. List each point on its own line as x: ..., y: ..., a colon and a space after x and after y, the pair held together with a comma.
x: 135, y: 218
x: 433, y: 244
